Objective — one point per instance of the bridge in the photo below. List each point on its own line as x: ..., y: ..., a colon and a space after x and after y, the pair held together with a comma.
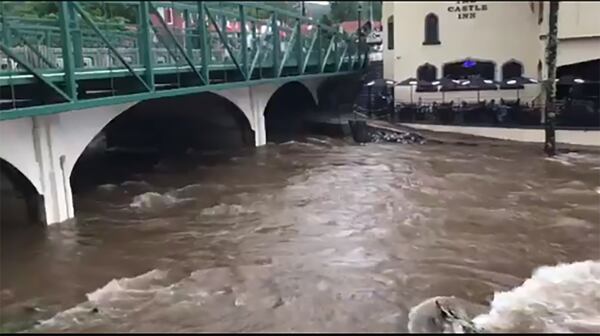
x: 84, y: 71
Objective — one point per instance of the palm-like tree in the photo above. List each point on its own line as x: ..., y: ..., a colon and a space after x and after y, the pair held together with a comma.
x: 551, y: 50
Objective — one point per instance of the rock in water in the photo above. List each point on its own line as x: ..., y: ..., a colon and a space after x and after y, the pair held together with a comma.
x: 380, y: 135
x: 427, y: 317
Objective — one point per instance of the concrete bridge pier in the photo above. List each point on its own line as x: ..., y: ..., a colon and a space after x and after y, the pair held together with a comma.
x: 44, y: 149
x: 32, y: 146
x: 54, y: 180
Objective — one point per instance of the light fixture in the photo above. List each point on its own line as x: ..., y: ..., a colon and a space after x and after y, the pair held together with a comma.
x: 533, y: 80
x: 371, y: 83
x: 412, y: 82
x: 487, y: 81
x: 466, y: 83
x: 389, y: 82
x: 456, y: 81
x: 578, y: 80
x: 511, y: 82
x: 435, y: 83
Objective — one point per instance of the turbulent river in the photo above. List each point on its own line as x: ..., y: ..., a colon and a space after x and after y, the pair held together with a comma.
x: 317, y: 235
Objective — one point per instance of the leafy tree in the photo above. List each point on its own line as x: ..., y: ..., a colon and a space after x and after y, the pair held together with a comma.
x: 100, y: 13
x: 348, y: 10
x: 326, y: 20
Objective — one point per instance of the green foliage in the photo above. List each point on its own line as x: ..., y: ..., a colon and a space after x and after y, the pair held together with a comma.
x: 348, y: 10
x: 326, y: 20
x: 100, y: 12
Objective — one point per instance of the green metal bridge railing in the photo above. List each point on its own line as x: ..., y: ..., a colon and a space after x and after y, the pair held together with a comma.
x: 88, y: 53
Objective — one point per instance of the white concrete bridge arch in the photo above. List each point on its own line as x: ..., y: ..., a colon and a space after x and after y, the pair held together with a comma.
x: 45, y: 149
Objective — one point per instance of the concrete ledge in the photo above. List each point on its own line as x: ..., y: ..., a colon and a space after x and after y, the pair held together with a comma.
x: 573, y: 137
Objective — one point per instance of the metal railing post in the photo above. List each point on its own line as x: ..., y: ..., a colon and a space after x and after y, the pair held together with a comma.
x: 299, y: 46
x: 244, y: 44
x: 320, y: 46
x: 67, y: 49
x: 276, y: 44
x: 204, y: 43
x: 145, y: 44
x: 76, y: 38
x: 188, y: 41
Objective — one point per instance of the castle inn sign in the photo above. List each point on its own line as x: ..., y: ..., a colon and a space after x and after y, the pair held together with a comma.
x: 467, y: 9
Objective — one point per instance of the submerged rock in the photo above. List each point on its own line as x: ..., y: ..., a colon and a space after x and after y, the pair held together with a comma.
x: 443, y: 314
x: 380, y: 135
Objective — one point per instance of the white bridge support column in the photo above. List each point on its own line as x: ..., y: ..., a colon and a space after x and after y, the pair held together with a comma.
x: 45, y: 149
x: 252, y: 101
x: 54, y: 180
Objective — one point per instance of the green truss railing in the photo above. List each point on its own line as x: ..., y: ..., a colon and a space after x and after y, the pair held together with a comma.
x: 81, y: 58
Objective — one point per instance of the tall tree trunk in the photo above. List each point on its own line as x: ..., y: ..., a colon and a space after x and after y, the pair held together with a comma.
x: 551, y: 50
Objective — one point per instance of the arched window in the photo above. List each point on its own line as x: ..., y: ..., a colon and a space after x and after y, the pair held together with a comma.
x: 390, y: 32
x: 431, y: 30
x: 511, y: 69
x: 426, y: 72
x: 540, y: 12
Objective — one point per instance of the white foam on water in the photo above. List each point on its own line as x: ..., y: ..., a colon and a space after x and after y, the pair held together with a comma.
x: 145, y: 285
x: 107, y: 187
x: 299, y: 143
x: 199, y: 187
x: 561, y: 298
x: 571, y: 158
x: 563, y: 161
x: 154, y: 200
x: 116, y: 287
x: 226, y: 209
x: 319, y: 141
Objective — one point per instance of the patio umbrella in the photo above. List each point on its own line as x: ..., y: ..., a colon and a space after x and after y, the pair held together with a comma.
x: 379, y: 83
x: 569, y: 80
x: 518, y: 82
x: 445, y: 84
x: 412, y: 82
x: 476, y: 82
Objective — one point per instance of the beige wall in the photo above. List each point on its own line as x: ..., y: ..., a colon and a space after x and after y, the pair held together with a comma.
x: 578, y: 32
x: 477, y: 38
x: 578, y: 50
x: 578, y: 19
x: 388, y: 55
x: 505, y: 31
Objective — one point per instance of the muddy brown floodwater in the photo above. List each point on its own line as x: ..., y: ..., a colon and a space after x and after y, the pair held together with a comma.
x: 313, y: 235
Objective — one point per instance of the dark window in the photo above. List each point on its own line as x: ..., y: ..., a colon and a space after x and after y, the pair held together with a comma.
x: 390, y: 32
x: 466, y: 68
x: 511, y: 69
x: 431, y: 30
x: 539, y: 70
x: 427, y: 72
x: 540, y: 12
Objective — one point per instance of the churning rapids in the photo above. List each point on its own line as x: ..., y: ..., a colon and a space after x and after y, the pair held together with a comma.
x: 320, y: 235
